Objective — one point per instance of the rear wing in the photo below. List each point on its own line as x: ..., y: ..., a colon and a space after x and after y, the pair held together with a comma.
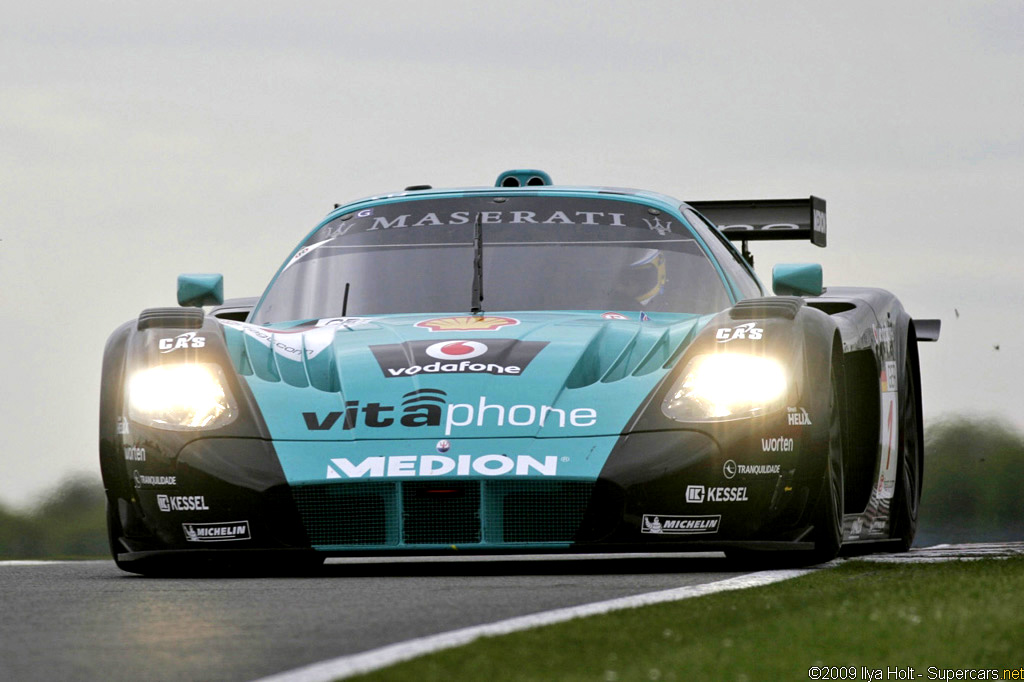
x: 763, y: 219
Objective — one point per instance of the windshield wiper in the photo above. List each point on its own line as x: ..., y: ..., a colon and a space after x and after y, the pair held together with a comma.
x: 478, y: 268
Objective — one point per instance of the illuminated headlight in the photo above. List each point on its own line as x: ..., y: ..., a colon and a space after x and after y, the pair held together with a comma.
x: 726, y: 385
x: 180, y: 396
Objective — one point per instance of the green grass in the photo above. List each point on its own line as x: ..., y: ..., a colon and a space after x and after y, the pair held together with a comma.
x: 948, y: 615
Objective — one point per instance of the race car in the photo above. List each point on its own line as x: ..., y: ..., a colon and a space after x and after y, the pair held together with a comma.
x: 519, y: 368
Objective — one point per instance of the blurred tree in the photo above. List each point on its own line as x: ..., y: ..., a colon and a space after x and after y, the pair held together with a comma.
x: 973, y: 472
x: 69, y: 522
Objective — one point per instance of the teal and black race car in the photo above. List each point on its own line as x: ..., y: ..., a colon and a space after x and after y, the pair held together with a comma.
x: 519, y: 368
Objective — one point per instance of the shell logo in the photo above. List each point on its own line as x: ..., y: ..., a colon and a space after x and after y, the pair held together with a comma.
x: 467, y: 323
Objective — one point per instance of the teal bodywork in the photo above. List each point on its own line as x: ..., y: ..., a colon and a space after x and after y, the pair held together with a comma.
x: 200, y: 289
x: 586, y: 383
x: 797, y: 279
x: 334, y: 413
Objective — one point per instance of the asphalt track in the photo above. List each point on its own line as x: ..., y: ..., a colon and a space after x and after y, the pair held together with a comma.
x: 89, y: 621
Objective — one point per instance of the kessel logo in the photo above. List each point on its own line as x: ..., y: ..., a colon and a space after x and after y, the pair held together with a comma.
x: 169, y: 503
x: 680, y: 525
x: 497, y: 356
x: 216, y: 532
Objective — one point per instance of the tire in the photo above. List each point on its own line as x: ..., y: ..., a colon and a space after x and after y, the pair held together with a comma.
x: 906, y: 500
x: 828, y: 515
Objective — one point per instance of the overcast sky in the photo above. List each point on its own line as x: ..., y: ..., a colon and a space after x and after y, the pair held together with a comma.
x: 141, y: 140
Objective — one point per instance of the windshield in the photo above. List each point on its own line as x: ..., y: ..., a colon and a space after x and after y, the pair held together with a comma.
x: 539, y: 253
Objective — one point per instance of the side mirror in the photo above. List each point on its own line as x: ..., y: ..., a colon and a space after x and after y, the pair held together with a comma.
x: 797, y: 279
x: 199, y: 290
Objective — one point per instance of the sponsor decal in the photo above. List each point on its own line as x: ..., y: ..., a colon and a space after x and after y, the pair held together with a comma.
x: 305, y: 251
x: 498, y: 356
x: 343, y: 322
x: 467, y: 323
x: 699, y: 494
x: 819, y: 222
x: 443, y: 446
x: 888, y: 449
x: 797, y: 416
x: 644, y: 317
x: 779, y: 444
x: 731, y: 468
x: 877, y: 526
x: 182, y: 341
x: 216, y: 532
x: 888, y: 377
x: 294, y: 344
x: 122, y: 427
x: 680, y: 525
x: 147, y: 481
x: 134, y: 454
x: 657, y: 226
x: 169, y: 503
x: 498, y: 217
x: 750, y: 331
x: 414, y: 466
x: 883, y: 334
x: 856, y: 528
x: 429, y: 407
x: 614, y: 316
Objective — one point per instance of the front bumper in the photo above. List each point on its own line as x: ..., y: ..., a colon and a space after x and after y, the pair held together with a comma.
x: 655, y: 491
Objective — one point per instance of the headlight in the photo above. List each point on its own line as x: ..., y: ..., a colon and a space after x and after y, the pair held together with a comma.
x: 726, y: 385
x: 180, y: 396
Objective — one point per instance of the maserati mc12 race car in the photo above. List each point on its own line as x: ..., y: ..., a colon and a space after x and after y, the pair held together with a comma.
x: 520, y: 368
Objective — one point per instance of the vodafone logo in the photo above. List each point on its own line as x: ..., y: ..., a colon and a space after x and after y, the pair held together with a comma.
x: 506, y: 357
x: 456, y: 350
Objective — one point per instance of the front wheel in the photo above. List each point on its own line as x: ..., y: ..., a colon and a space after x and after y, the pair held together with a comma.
x: 828, y: 515
x: 907, y: 498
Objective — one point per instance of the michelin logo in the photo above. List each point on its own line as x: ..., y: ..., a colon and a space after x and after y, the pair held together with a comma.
x: 216, y: 532
x: 680, y: 525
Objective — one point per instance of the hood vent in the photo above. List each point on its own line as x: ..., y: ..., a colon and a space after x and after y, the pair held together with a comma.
x: 618, y: 352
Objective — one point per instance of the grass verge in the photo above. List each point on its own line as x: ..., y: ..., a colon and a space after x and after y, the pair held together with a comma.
x: 955, y: 615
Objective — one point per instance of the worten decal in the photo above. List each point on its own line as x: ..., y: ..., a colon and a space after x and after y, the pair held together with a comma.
x: 216, y: 532
x: 133, y: 453
x: 467, y: 323
x: 430, y: 407
x: 413, y: 466
x: 497, y: 356
x: 680, y: 525
x: 777, y: 444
